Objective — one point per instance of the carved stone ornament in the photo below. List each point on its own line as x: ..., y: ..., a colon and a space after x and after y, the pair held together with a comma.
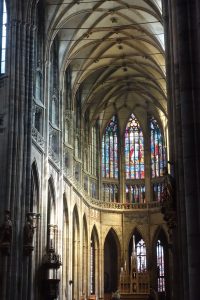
x: 168, y: 208
x: 51, y: 263
x: 52, y: 260
x: 29, y: 230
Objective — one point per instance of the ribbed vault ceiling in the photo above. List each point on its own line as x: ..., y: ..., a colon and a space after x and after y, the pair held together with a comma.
x: 115, y: 50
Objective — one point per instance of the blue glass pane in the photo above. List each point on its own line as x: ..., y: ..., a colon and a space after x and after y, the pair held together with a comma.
x: 110, y: 150
x: 157, y: 149
x: 134, y: 150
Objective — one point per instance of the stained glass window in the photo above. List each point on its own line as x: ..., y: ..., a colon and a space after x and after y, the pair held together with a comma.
x: 110, y: 150
x: 135, y: 193
x: 157, y: 150
x: 110, y: 192
x: 157, y: 191
x: 160, y: 266
x: 93, y: 189
x: 141, y: 256
x: 3, y: 35
x: 94, y: 146
x: 134, y: 150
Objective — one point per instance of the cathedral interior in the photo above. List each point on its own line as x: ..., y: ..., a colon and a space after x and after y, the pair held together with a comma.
x: 99, y: 149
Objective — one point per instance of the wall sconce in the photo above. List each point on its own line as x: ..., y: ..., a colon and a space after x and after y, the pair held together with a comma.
x: 6, y: 234
x: 29, y: 230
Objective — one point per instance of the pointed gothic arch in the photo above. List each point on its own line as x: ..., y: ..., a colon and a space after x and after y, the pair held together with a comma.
x: 85, y: 247
x: 137, y: 246
x: 51, y: 211
x: 76, y: 266
x: 94, y: 262
x: 35, y: 184
x: 112, y: 254
x: 161, y: 261
x: 134, y: 149
x: 52, y: 230
x: 65, y: 239
x: 34, y: 207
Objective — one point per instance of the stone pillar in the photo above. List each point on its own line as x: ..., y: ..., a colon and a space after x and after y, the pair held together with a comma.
x: 186, y: 92
x: 18, y: 170
x: 147, y: 161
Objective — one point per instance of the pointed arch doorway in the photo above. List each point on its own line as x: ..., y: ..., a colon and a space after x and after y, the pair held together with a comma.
x: 111, y: 263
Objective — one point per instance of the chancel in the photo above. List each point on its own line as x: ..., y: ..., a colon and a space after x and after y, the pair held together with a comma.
x: 99, y: 149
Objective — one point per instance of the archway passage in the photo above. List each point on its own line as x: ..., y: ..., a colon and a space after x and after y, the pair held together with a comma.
x: 110, y: 264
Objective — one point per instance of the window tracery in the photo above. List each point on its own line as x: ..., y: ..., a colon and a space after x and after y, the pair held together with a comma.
x: 160, y: 266
x: 134, y: 160
x: 110, y: 150
x: 141, y: 256
x: 157, y: 149
x: 134, y: 150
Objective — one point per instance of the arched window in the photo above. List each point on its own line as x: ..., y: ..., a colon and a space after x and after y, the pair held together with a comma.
x: 160, y: 266
x: 94, y: 151
x: 137, y: 253
x: 110, y: 150
x: 3, y: 35
x: 157, y: 149
x: 141, y: 256
x: 134, y: 150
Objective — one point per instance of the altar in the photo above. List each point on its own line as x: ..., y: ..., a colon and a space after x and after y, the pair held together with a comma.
x: 134, y: 285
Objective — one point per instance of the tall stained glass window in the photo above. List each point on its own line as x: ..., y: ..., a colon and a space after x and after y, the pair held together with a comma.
x: 134, y: 150
x: 157, y: 149
x: 141, y: 256
x: 110, y: 150
x: 160, y: 266
x: 3, y: 35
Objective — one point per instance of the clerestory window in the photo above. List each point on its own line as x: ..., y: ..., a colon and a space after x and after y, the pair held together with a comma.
x: 110, y: 150
x: 134, y: 150
x: 157, y: 149
x: 124, y: 161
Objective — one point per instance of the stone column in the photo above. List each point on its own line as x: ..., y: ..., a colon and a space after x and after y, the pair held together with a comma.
x: 186, y: 87
x: 18, y: 172
x: 147, y: 162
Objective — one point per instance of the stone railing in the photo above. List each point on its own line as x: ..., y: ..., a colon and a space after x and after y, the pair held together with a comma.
x: 109, y: 205
x: 125, y: 206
